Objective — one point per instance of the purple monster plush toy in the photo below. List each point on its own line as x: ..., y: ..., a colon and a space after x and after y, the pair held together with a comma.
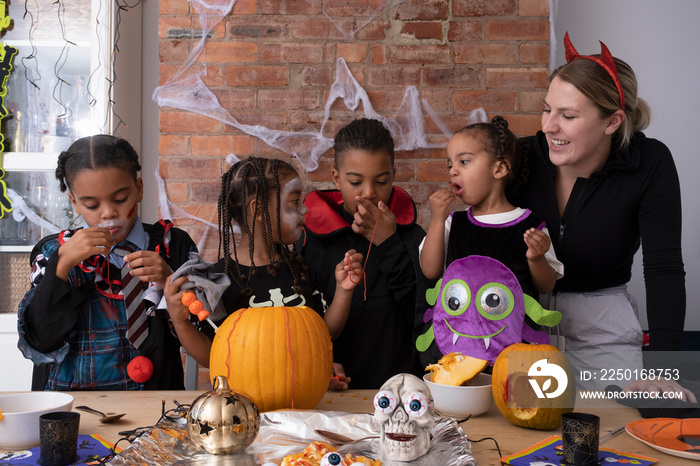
x: 479, y: 309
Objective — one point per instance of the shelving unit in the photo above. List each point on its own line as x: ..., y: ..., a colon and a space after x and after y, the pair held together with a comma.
x: 57, y: 92
x: 32, y: 147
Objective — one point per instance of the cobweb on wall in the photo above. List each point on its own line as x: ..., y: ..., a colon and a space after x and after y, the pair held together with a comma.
x: 186, y: 90
x: 349, y: 30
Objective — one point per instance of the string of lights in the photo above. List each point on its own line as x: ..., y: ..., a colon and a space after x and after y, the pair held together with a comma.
x: 33, y: 13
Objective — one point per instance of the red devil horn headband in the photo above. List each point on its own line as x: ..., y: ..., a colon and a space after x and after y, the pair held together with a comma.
x: 606, y: 60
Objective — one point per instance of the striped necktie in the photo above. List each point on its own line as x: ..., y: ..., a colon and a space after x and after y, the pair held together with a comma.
x: 132, y: 292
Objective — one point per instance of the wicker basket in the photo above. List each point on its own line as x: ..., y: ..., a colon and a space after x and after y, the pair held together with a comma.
x: 14, y: 270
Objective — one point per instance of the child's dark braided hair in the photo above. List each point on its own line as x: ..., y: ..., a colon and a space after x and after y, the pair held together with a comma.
x: 94, y: 153
x: 256, y: 179
x: 500, y: 142
x: 363, y: 134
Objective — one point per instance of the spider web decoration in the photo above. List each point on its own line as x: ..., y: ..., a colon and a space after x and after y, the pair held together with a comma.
x: 186, y: 90
x: 189, y: 93
x: 357, y: 9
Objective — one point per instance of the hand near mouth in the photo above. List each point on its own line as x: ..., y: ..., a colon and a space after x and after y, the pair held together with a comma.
x: 376, y: 223
x: 440, y: 202
x: 84, y: 243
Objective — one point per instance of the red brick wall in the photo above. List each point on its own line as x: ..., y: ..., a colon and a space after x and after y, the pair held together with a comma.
x: 272, y: 62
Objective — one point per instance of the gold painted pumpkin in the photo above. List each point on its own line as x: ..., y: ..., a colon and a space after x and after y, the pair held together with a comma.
x: 221, y: 421
x: 533, y: 385
x: 280, y: 357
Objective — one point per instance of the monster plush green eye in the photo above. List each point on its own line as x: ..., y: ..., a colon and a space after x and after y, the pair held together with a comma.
x: 456, y: 297
x: 495, y: 301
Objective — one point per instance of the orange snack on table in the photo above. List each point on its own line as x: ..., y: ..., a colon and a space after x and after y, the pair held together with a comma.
x: 313, y: 456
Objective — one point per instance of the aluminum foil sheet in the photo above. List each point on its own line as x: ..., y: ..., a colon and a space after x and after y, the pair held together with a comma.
x: 286, y: 432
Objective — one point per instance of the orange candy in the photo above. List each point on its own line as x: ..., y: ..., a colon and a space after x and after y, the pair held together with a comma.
x: 196, y: 306
x: 188, y: 298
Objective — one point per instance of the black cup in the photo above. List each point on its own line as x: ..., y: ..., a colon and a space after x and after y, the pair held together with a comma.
x: 58, y: 438
x: 579, y: 435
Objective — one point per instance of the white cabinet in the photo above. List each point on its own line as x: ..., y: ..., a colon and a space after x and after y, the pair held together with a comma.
x: 15, y: 370
x: 62, y: 86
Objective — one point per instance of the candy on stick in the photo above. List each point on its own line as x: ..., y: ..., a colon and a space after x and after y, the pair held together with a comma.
x: 196, y: 307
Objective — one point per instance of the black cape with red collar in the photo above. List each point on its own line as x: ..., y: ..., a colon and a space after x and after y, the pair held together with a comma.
x: 378, y: 339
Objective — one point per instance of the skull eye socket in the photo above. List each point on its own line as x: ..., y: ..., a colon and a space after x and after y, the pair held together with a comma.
x: 456, y: 297
x: 384, y: 402
x: 416, y: 405
x: 495, y: 301
x: 331, y: 459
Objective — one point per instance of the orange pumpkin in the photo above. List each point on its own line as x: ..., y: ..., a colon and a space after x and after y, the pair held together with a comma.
x: 456, y: 369
x: 517, y: 370
x: 280, y: 357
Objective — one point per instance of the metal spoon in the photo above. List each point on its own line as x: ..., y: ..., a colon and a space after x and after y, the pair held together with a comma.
x: 105, y: 417
x: 338, y: 439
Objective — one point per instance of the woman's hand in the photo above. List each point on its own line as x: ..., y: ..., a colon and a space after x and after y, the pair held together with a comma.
x: 148, y: 266
x: 668, y: 387
x: 84, y: 243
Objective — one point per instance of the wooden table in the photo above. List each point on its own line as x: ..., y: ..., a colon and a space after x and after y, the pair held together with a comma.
x: 144, y: 409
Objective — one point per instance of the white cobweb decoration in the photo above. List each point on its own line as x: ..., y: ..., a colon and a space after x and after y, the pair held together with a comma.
x: 353, y: 27
x: 188, y: 92
x: 21, y: 211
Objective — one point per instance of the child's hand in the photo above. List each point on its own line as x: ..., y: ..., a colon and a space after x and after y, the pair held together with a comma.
x: 84, y: 243
x: 348, y: 273
x: 366, y: 219
x: 537, y: 243
x: 440, y: 202
x: 338, y: 381
x: 148, y: 266
x: 173, y: 297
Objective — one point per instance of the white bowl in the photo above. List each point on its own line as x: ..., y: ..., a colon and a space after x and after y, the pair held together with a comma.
x: 19, y: 427
x: 460, y: 402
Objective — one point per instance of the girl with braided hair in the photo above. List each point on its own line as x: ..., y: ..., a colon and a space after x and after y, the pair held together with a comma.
x: 485, y: 161
x: 94, y: 310
x: 264, y: 198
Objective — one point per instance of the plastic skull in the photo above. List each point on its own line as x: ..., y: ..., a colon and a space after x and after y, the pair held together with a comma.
x: 405, y: 410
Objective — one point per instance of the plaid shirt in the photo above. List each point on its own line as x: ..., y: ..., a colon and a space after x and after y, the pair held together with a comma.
x: 95, y: 352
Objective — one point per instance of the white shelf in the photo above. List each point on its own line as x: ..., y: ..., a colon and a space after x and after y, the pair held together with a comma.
x: 45, y: 43
x: 28, y: 161
x: 16, y: 248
